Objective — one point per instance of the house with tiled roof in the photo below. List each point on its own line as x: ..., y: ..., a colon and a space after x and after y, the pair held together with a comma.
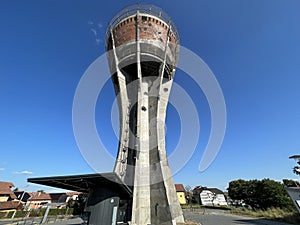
x: 209, y: 196
x: 8, y: 200
x: 180, y: 193
x: 37, y: 200
x: 10, y: 206
x: 40, y: 200
x: 6, y: 194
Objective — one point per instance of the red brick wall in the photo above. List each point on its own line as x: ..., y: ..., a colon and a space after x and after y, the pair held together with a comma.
x: 150, y: 29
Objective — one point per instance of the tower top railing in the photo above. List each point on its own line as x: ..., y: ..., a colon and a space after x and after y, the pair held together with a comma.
x: 143, y: 9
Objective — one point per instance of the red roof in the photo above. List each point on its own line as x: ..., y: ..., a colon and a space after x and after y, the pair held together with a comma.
x: 179, y: 188
x: 5, y: 189
x: 11, y: 205
x: 53, y: 197
x: 38, y: 196
x: 73, y: 193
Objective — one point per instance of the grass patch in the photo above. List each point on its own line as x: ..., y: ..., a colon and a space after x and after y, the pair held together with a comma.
x: 197, y: 206
x: 193, y: 206
x: 292, y: 217
x: 38, y: 213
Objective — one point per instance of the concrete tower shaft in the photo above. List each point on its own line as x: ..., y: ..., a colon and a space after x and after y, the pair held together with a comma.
x: 142, y: 48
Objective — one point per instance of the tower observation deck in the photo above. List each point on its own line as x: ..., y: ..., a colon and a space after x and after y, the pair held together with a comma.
x: 142, y: 46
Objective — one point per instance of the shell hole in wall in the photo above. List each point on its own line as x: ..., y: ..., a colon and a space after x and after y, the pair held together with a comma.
x: 144, y: 18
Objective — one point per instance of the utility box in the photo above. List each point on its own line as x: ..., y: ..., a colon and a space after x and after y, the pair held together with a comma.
x: 104, y: 212
x: 105, y: 206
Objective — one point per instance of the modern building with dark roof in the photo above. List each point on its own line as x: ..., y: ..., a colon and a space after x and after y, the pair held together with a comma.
x: 22, y: 196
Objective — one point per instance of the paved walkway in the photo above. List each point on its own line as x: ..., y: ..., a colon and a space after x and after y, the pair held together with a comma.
x: 75, y: 221
x: 207, y: 217
x: 34, y: 221
x: 218, y: 217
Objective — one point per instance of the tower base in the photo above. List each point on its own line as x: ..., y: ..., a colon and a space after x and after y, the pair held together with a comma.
x: 109, y: 199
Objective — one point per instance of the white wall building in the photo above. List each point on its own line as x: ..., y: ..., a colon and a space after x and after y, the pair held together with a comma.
x: 209, y: 196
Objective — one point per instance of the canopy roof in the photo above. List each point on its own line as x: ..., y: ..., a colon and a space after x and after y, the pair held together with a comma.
x: 85, y: 182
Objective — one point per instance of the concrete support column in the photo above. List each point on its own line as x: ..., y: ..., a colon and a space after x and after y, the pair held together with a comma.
x: 174, y: 206
x: 141, y: 213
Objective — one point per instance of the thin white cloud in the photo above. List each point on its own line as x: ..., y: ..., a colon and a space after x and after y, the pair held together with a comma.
x: 1, y: 169
x: 98, y: 41
x: 25, y: 172
x: 94, y: 31
x: 96, y: 28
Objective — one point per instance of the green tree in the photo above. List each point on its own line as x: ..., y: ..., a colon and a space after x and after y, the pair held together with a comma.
x: 272, y: 194
x: 296, y: 169
x: 237, y: 189
x: 291, y: 183
x: 79, y: 205
x: 260, y: 194
x: 71, y: 203
x: 188, y: 194
x: 188, y: 189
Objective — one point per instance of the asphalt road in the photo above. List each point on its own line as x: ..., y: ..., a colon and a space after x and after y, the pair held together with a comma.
x: 207, y: 217
x: 218, y: 217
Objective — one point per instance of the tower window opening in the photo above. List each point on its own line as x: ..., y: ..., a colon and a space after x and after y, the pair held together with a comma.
x: 144, y: 18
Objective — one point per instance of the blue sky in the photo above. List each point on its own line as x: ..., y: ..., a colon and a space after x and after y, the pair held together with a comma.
x: 252, y: 47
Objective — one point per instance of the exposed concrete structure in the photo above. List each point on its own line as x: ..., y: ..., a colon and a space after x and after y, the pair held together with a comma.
x: 142, y: 49
x: 142, y: 45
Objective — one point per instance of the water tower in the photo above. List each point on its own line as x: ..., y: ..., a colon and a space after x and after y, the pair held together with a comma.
x: 142, y: 46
